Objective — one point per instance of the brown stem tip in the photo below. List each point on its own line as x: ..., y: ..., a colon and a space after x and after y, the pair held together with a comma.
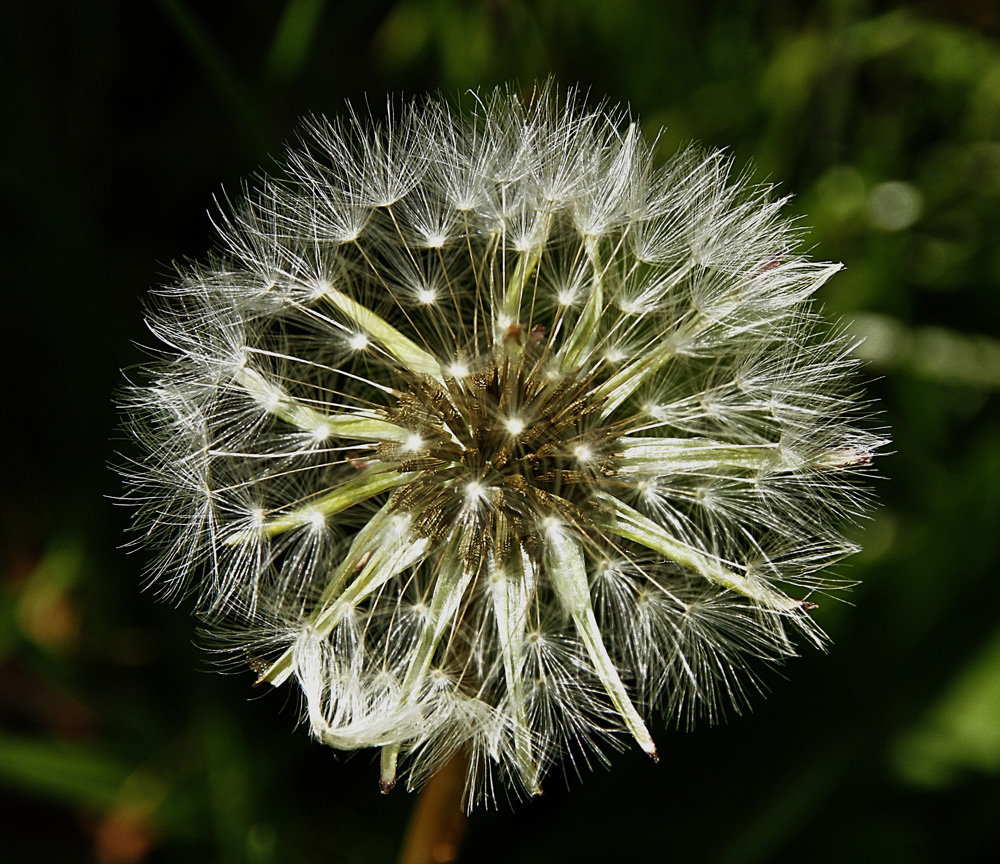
x: 438, y: 822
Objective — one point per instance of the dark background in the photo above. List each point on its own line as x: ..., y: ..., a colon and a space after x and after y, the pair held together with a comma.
x: 122, y: 118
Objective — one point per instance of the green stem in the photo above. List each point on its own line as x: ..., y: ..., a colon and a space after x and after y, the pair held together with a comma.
x: 449, y: 588
x: 276, y: 401
x: 379, y: 551
x: 404, y: 349
x: 627, y: 380
x: 585, y: 330
x: 514, y: 291
x: 632, y: 525
x: 568, y: 571
x: 665, y: 456
x: 512, y: 593
x: 346, y: 495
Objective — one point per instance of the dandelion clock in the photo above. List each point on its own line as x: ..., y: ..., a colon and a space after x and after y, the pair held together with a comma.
x: 494, y: 437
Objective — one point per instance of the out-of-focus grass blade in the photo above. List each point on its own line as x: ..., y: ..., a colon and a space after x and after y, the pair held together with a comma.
x: 960, y: 732
x: 68, y: 773
x: 947, y: 356
x: 294, y: 38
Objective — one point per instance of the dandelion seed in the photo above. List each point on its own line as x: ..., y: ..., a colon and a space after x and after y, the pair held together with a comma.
x: 515, y: 425
x: 358, y: 342
x: 315, y: 519
x: 579, y: 446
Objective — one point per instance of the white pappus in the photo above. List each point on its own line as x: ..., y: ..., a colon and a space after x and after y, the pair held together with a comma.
x: 494, y: 435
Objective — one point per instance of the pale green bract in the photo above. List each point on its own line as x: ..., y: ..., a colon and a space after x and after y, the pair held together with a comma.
x: 492, y: 436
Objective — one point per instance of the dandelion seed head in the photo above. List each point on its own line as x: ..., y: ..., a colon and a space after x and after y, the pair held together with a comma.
x: 489, y: 433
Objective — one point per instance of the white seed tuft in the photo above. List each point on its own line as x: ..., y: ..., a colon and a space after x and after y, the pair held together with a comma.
x: 493, y: 435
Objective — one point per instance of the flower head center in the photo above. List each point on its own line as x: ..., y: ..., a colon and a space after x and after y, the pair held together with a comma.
x: 504, y: 451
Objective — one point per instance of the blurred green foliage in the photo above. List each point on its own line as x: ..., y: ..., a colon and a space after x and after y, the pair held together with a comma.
x: 121, y: 121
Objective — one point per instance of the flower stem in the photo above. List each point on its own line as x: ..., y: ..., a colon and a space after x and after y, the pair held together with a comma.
x: 438, y: 822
